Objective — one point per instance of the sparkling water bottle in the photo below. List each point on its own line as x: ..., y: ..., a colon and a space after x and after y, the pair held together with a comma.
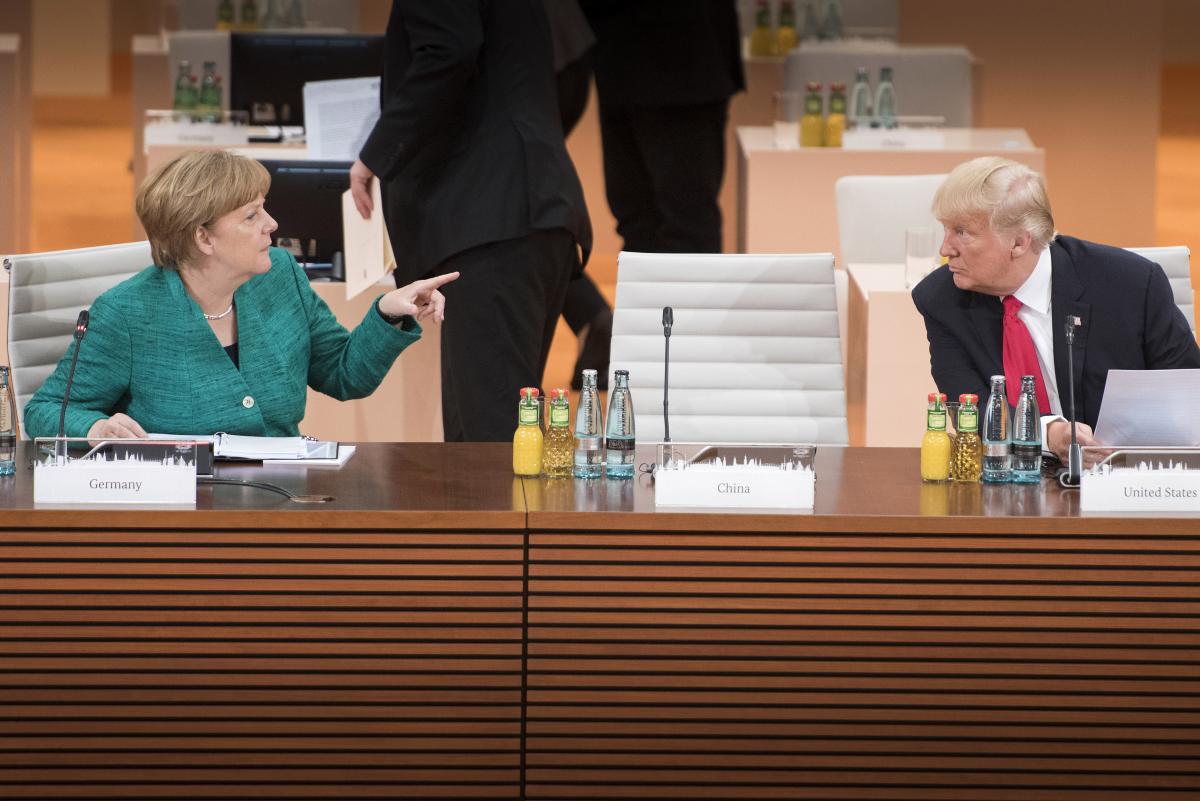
x: 589, y: 442
x: 860, y: 100
x: 1027, y: 436
x: 619, y: 436
x: 8, y: 434
x: 996, y: 440
x: 885, y: 101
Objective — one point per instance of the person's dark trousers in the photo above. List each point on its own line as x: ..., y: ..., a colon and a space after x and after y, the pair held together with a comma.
x: 500, y: 318
x: 663, y: 167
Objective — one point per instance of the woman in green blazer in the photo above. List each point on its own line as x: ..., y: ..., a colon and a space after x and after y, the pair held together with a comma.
x: 224, y: 332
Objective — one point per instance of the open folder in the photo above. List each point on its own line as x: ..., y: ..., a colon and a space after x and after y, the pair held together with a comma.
x: 236, y: 446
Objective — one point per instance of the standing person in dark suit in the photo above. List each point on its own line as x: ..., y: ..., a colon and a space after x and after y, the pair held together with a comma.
x: 665, y: 70
x: 1000, y: 304
x: 477, y: 180
x: 585, y: 309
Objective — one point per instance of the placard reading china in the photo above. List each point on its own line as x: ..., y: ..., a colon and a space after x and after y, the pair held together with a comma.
x: 735, y: 476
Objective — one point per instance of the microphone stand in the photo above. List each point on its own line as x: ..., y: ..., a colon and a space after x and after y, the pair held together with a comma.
x: 1074, y: 453
x: 60, y: 445
x: 668, y: 321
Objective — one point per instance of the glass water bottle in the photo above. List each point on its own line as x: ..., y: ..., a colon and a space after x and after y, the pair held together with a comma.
x: 619, y: 435
x: 885, y: 101
x: 1027, y: 436
x: 589, y: 441
x: 997, y: 444
x: 8, y: 434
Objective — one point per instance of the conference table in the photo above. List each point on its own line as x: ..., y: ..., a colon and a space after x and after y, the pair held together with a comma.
x: 443, y: 629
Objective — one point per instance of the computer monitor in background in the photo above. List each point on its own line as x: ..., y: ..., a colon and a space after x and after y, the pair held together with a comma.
x: 267, y: 71
x: 305, y: 199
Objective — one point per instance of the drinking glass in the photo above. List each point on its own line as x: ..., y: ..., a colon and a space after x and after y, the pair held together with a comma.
x: 787, y: 120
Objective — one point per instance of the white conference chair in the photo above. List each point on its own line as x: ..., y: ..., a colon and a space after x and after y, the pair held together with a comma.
x: 873, y: 212
x: 46, y: 293
x: 1176, y: 262
x: 754, y: 348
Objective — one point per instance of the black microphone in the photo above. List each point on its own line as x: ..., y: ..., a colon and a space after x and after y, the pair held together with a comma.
x: 668, y: 321
x: 81, y: 327
x: 1074, y: 453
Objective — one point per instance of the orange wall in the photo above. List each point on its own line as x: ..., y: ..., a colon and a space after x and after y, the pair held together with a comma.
x: 1083, y: 79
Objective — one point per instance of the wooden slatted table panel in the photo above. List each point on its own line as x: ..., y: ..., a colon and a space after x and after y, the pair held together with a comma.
x: 251, y: 649
x: 134, y: 662
x: 731, y: 665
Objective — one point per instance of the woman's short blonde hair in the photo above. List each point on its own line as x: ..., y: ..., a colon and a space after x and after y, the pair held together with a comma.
x: 1011, y: 195
x: 191, y: 190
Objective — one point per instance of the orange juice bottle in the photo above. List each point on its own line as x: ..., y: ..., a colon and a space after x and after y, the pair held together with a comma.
x: 527, y: 441
x: 812, y: 124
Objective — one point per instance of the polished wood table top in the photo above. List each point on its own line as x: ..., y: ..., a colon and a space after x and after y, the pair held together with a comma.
x: 383, y: 485
x: 455, y: 486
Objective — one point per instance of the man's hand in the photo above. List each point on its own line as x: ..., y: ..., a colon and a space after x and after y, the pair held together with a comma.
x: 1058, y: 440
x: 119, y: 426
x: 419, y: 299
x: 360, y: 188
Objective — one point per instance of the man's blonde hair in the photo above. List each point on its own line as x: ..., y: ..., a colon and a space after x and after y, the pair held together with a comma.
x: 191, y: 190
x: 1011, y: 195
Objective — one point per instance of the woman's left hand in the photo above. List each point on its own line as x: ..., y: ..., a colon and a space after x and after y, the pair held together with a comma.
x: 420, y: 299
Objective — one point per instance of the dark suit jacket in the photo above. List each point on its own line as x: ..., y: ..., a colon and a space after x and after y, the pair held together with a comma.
x: 468, y: 142
x: 665, y: 52
x: 1130, y: 322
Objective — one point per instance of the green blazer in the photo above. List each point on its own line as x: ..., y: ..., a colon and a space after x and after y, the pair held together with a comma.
x: 150, y: 353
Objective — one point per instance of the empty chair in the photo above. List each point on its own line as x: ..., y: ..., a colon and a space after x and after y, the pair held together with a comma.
x: 46, y: 293
x: 755, y: 356
x: 1176, y: 262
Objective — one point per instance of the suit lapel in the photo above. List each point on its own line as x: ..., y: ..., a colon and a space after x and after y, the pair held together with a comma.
x: 1066, y: 293
x: 986, y: 314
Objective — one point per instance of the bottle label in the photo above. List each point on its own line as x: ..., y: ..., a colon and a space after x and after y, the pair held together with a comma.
x: 1027, y: 451
x: 560, y: 415
x: 619, y: 444
x: 588, y: 443
x: 528, y: 415
x: 995, y: 449
x: 968, y: 420
x: 937, y: 420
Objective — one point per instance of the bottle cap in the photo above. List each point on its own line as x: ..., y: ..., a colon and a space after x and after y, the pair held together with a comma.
x: 528, y: 392
x: 837, y: 86
x: 537, y: 393
x: 813, y: 86
x: 621, y: 372
x: 942, y: 397
x: 558, y: 394
x: 968, y: 397
x: 933, y: 397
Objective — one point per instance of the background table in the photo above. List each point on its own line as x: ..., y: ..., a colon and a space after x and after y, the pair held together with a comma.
x: 446, y: 630
x: 786, y: 197
x: 887, y: 359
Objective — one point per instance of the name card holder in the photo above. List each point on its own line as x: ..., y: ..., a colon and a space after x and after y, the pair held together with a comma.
x: 1141, y: 480
x: 122, y: 471
x: 195, y: 128
x: 728, y: 476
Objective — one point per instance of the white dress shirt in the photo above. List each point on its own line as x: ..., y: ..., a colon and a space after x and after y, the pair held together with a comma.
x: 1035, y: 313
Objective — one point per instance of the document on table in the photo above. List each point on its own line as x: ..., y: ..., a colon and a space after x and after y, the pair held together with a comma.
x: 339, y: 116
x: 1152, y: 408
x: 365, y: 244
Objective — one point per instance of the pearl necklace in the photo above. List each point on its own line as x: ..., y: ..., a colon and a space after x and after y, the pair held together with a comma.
x: 223, y: 314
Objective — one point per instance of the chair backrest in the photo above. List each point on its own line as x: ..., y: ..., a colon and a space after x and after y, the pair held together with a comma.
x: 46, y: 293
x: 1176, y: 262
x: 873, y: 212
x: 755, y: 355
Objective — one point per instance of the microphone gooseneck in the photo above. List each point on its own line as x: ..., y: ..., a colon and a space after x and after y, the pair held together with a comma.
x: 1074, y: 453
x: 81, y: 327
x: 668, y: 320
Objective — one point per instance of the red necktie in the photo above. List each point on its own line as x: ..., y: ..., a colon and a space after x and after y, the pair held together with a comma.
x: 1020, y: 356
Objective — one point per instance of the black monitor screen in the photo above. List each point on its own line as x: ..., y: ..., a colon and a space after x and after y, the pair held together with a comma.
x: 268, y: 70
x: 305, y: 199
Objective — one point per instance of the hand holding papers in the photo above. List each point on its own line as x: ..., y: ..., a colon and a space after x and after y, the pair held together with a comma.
x: 368, y: 252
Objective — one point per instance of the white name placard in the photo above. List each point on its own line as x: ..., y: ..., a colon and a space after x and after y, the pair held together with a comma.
x: 894, y: 139
x: 735, y: 489
x: 98, y: 482
x: 1140, y: 491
